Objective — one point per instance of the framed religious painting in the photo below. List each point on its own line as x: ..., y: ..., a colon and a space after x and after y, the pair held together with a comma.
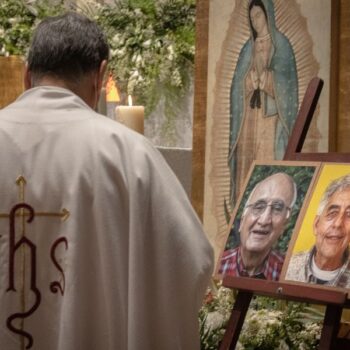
x: 319, y: 253
x: 264, y: 219
x: 254, y: 61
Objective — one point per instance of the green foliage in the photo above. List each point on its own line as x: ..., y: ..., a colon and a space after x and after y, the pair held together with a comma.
x: 18, y: 19
x: 302, y: 176
x: 269, y: 328
x: 209, y: 338
x: 152, y: 44
x: 214, y: 315
x: 152, y: 50
x: 270, y: 324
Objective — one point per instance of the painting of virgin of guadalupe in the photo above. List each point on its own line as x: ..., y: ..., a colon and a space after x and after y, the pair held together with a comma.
x: 263, y: 97
x: 262, y: 55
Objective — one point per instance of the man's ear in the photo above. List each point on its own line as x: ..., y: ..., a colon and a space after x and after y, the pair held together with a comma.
x: 314, y: 226
x: 27, y: 77
x: 101, y: 74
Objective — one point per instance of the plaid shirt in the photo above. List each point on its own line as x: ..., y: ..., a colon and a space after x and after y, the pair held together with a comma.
x: 232, y: 264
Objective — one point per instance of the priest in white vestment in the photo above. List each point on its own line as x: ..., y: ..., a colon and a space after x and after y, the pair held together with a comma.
x: 100, y: 248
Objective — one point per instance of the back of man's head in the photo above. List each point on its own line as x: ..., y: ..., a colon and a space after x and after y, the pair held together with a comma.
x: 66, y: 47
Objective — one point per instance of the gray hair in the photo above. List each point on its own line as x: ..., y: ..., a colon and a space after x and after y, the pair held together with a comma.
x: 291, y: 180
x: 336, y: 185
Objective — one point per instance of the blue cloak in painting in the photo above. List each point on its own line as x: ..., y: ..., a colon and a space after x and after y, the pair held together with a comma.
x: 285, y: 85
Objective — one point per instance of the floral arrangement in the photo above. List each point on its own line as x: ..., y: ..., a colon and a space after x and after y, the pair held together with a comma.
x: 152, y: 42
x: 214, y: 315
x: 286, y: 329
x: 152, y: 49
x: 18, y: 19
x: 269, y: 324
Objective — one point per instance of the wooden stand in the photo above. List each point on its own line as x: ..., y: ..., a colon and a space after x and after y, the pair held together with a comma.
x: 335, y: 301
x: 301, y: 127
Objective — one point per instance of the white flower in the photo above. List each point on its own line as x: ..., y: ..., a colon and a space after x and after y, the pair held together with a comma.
x: 131, y: 86
x: 117, y: 39
x: 176, y: 78
x: 272, y: 321
x: 146, y: 44
x: 113, y: 53
x: 170, y: 49
x: 138, y: 59
x: 138, y: 12
x: 283, y: 345
x: 134, y: 74
x: 239, y: 346
x: 214, y: 320
x: 118, y: 52
x: 13, y: 20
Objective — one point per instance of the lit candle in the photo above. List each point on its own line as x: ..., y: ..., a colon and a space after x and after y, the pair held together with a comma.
x: 131, y: 116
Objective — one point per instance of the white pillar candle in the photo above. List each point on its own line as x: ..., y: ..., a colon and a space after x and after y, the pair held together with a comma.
x: 131, y: 116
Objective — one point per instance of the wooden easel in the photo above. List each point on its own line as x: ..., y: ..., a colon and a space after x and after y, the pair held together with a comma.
x: 335, y: 301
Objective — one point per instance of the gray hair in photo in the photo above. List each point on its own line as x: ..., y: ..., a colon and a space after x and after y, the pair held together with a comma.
x: 336, y: 185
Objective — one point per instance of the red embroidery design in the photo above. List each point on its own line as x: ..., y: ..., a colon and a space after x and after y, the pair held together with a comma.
x: 27, y: 213
x: 55, y: 286
x: 13, y: 248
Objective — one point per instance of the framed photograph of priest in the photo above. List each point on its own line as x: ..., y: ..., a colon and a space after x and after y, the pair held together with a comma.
x: 321, y: 254
x: 263, y: 221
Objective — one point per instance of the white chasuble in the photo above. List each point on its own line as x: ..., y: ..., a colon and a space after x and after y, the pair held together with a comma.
x: 99, y: 246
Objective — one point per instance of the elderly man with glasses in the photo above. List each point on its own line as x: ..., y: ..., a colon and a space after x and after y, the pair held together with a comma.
x: 328, y: 261
x: 263, y: 221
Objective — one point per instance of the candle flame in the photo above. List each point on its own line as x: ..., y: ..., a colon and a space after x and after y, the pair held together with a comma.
x: 130, y: 100
x: 112, y: 93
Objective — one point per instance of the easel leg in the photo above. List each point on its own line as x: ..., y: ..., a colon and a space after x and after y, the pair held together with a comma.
x: 330, y: 327
x: 236, y: 320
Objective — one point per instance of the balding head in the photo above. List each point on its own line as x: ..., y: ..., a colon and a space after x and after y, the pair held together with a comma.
x: 266, y: 213
x: 281, y: 183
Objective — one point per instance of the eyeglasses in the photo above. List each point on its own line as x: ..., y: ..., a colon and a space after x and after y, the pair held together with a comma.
x: 278, y: 208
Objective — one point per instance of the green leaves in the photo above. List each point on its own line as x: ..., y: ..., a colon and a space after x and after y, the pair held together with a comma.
x: 152, y: 44
x: 269, y: 324
x: 18, y: 19
x: 152, y: 49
